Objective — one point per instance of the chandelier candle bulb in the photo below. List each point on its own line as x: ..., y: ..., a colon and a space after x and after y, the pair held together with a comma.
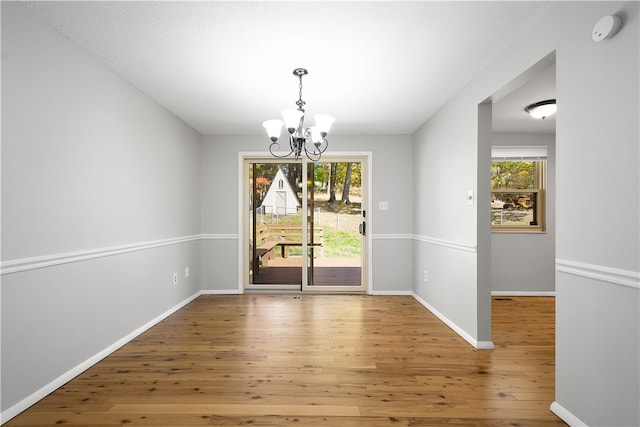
x: 274, y: 128
x: 324, y: 122
x: 292, y: 119
x: 316, y: 136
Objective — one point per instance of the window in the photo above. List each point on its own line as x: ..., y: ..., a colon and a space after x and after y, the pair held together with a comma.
x: 518, y: 180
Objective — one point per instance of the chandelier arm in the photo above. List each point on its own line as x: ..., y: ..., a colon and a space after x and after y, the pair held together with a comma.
x: 311, y: 156
x: 326, y: 145
x: 277, y: 155
x: 318, y: 150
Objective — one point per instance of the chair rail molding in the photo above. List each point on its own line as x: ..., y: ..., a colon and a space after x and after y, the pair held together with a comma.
x: 630, y: 279
x: 391, y: 236
x: 462, y: 246
x: 32, y: 263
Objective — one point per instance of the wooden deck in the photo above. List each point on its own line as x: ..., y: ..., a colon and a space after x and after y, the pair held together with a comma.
x: 325, y: 276
x: 327, y: 272
x: 320, y: 360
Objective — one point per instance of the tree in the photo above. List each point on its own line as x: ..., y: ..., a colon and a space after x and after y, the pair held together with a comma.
x: 332, y: 182
x: 321, y: 173
x: 512, y: 174
x: 347, y: 184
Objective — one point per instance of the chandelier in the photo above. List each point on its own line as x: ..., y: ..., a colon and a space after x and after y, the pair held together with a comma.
x: 313, y: 140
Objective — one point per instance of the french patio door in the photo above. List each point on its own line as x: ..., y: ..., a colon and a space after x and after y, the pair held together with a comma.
x: 305, y: 225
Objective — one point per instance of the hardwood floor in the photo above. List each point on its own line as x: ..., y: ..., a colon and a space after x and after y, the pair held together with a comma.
x: 321, y: 360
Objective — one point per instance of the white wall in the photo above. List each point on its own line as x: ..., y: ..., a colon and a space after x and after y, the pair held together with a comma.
x: 100, y: 203
x: 524, y: 263
x: 597, y: 249
x: 391, y: 230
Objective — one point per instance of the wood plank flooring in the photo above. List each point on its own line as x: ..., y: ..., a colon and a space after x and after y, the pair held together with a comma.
x: 321, y: 360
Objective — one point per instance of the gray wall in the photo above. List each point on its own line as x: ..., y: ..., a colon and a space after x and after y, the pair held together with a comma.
x: 524, y: 263
x: 597, y: 251
x: 598, y: 255
x: 391, y: 230
x: 103, y: 192
x: 100, y: 195
x: 445, y: 169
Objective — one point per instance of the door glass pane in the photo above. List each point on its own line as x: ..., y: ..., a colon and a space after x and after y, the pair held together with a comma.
x: 334, y: 214
x: 275, y: 224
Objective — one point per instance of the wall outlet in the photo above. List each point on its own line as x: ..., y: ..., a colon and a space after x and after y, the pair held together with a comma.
x: 383, y: 206
x: 426, y: 276
x: 175, y: 278
x: 186, y: 272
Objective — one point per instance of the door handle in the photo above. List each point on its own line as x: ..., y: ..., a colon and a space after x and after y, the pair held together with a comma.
x: 363, y: 228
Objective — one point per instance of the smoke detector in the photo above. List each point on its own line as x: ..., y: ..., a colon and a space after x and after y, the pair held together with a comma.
x: 605, y: 28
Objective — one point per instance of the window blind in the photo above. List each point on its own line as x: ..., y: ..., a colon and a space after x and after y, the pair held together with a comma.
x: 515, y: 153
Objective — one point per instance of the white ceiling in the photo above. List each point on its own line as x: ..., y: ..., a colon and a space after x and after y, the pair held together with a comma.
x: 224, y: 67
x: 509, y: 114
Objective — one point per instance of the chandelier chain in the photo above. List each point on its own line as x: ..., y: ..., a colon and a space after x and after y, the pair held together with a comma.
x: 300, y: 103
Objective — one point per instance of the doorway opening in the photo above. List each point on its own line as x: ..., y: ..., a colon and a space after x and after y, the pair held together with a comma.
x: 521, y: 258
x: 304, y: 225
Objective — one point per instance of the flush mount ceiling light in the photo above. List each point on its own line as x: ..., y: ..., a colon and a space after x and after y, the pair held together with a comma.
x: 542, y: 109
x: 312, y: 140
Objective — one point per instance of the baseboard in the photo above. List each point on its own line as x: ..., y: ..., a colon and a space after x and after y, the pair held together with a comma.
x: 25, y: 403
x: 566, y: 416
x: 485, y: 345
x: 220, y: 292
x: 480, y: 345
x: 523, y: 293
x: 392, y: 293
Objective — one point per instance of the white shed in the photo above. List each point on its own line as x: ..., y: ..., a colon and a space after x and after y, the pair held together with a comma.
x: 281, y: 199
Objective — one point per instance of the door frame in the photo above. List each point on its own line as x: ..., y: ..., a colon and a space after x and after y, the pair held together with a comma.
x: 243, y: 217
